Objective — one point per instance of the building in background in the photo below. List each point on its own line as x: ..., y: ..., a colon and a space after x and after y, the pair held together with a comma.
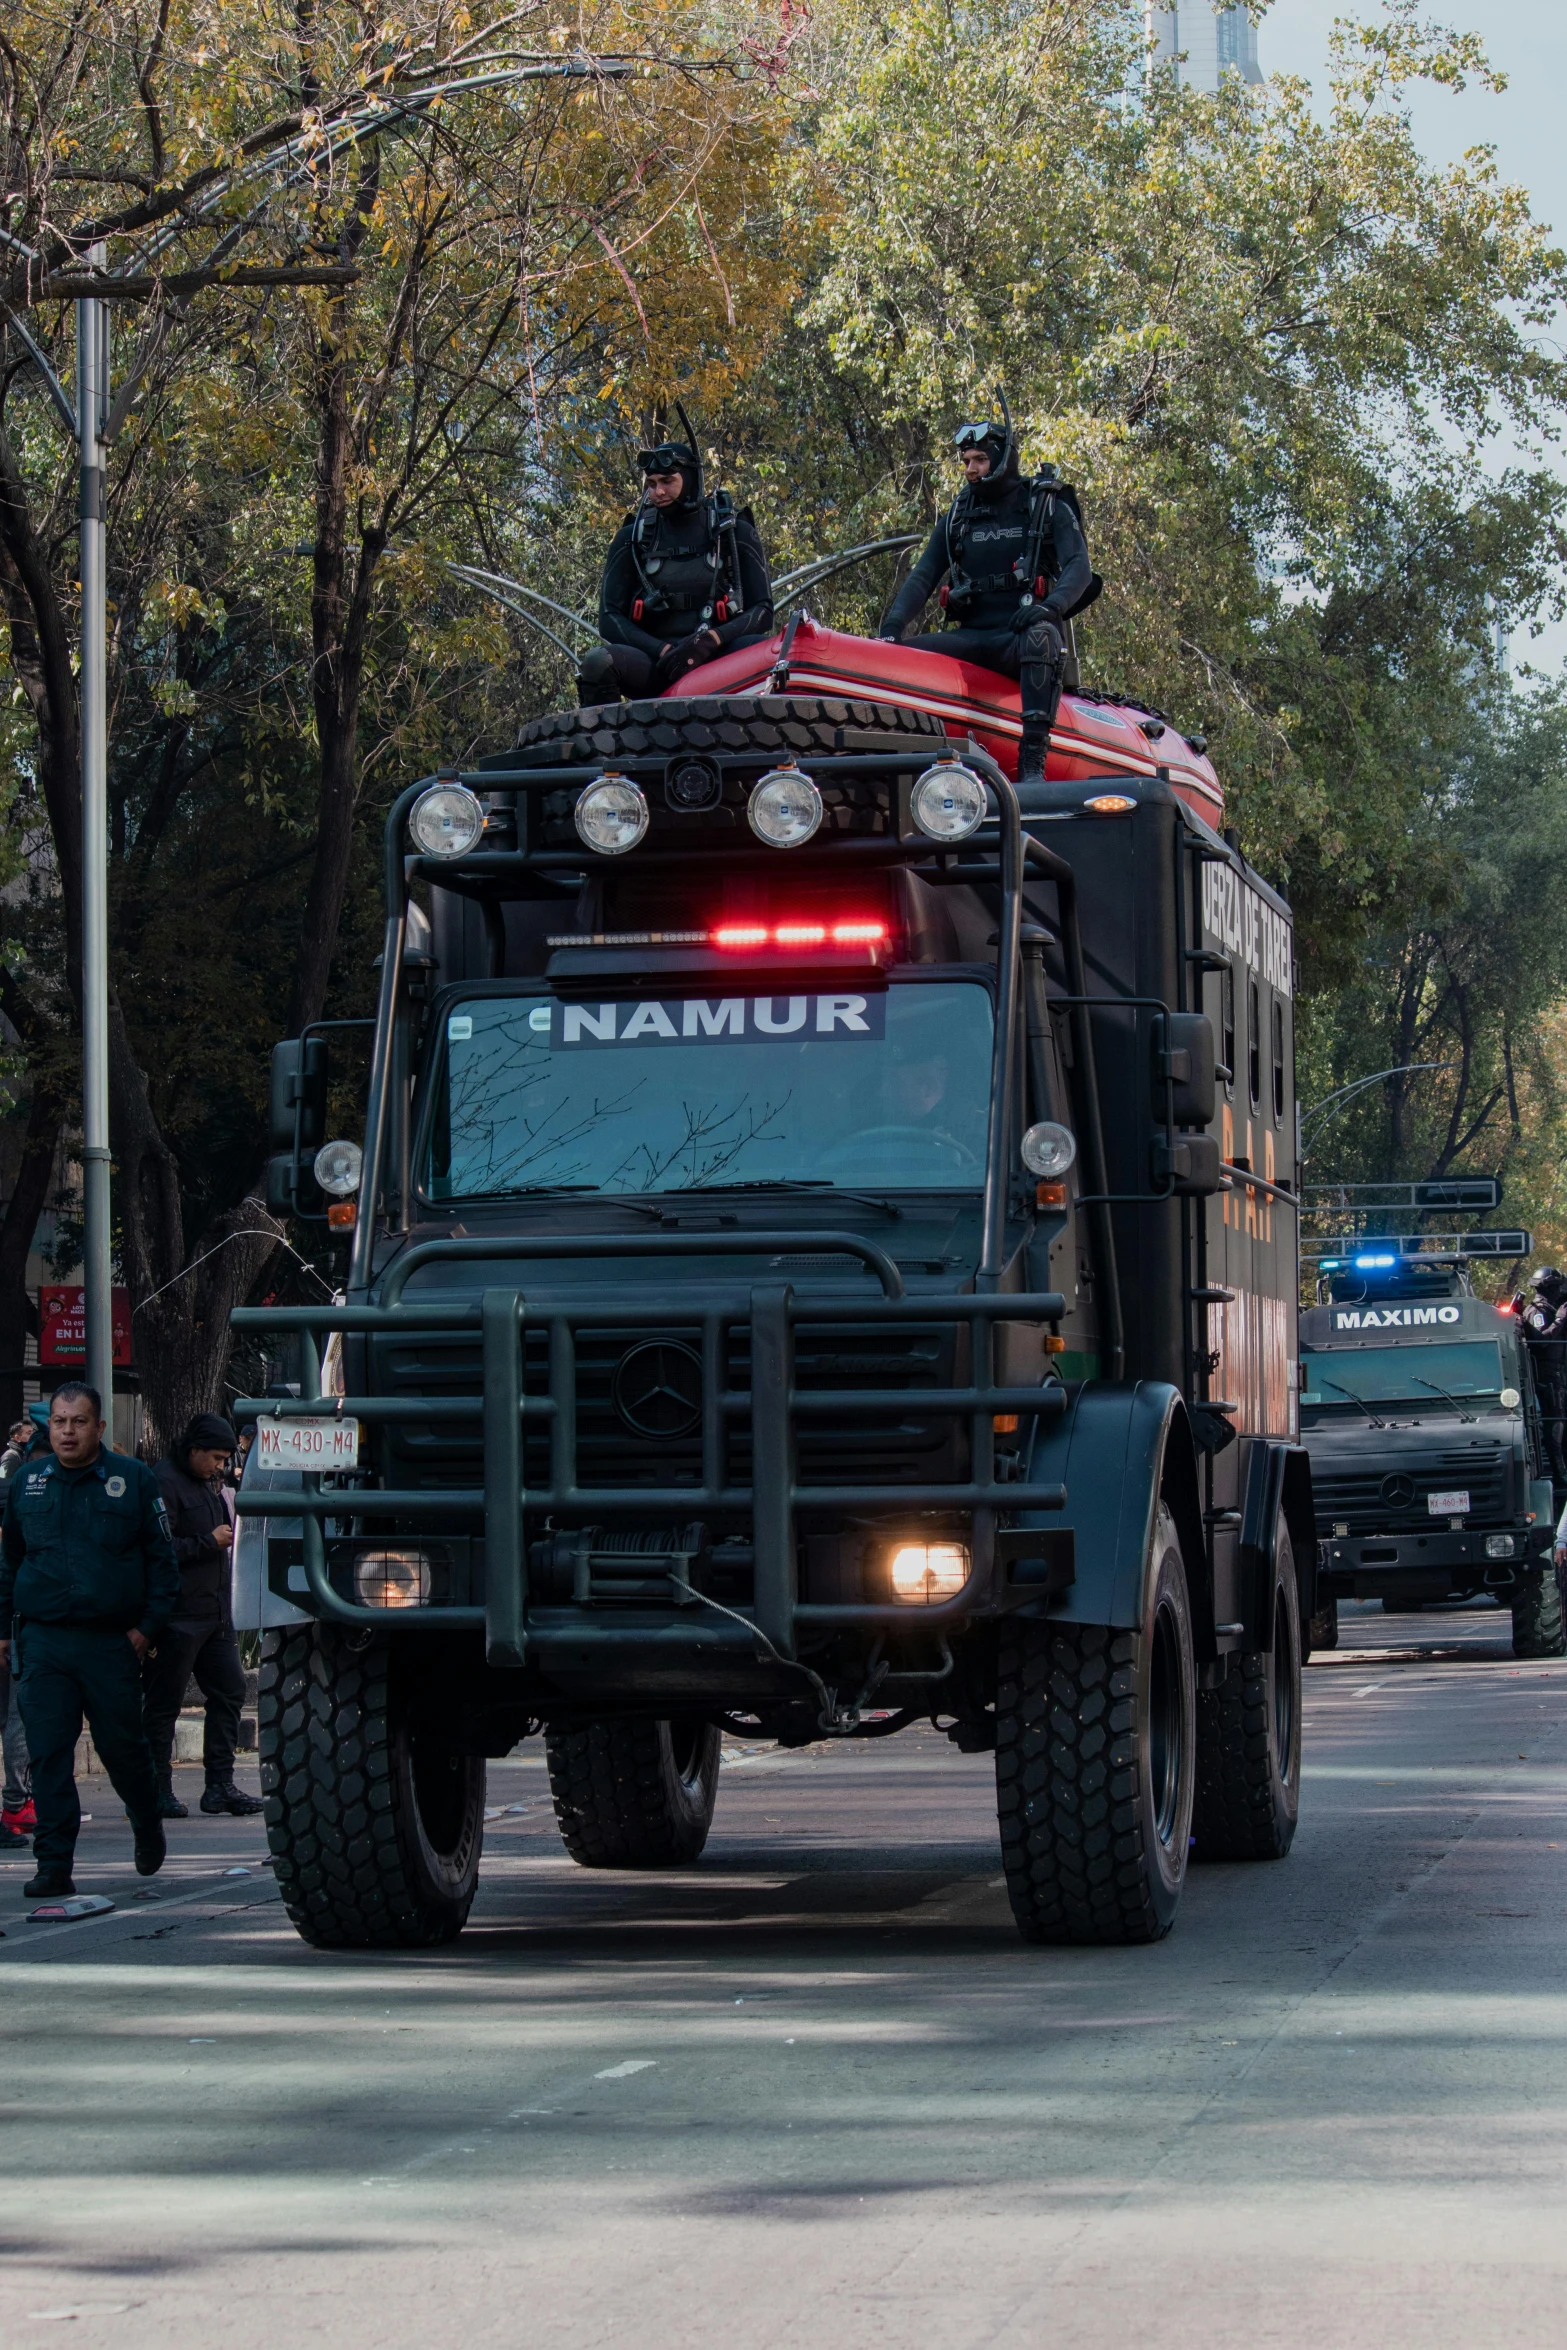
x: 1208, y: 41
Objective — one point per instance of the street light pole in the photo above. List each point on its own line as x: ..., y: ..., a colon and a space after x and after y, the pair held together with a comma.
x: 92, y: 402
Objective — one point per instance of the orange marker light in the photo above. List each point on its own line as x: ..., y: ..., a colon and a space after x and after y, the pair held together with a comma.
x: 1050, y: 1195
x: 342, y: 1214
x: 1004, y: 1423
x: 1110, y: 803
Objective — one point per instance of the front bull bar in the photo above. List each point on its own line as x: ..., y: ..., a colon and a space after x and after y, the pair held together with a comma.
x: 772, y: 1404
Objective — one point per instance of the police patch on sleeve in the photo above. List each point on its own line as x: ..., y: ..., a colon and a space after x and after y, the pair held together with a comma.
x: 114, y: 1487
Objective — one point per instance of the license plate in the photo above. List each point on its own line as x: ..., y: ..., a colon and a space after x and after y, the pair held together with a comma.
x: 308, y: 1444
x: 1448, y: 1505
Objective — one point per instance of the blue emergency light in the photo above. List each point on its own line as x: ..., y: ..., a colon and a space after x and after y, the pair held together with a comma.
x: 1373, y: 1264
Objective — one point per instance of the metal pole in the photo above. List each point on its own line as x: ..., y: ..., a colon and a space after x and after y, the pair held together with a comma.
x: 92, y: 386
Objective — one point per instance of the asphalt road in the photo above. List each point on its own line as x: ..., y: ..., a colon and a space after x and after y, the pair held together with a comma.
x: 815, y: 2088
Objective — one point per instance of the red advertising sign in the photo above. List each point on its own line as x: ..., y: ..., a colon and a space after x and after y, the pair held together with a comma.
x: 62, y: 1331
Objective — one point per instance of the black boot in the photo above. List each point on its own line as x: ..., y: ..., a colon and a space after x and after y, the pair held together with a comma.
x: 50, y: 1883
x: 169, y: 1804
x: 1033, y: 749
x: 222, y: 1795
x: 152, y: 1848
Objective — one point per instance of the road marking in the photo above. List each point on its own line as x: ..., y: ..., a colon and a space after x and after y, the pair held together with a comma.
x: 623, y: 2072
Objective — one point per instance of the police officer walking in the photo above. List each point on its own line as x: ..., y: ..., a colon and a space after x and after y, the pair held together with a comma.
x: 1016, y: 565
x: 1544, y: 1321
x: 200, y: 1639
x: 685, y: 579
x: 87, y: 1584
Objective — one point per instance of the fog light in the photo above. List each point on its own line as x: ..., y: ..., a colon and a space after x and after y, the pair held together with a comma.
x: 611, y: 815
x: 1048, y: 1149
x: 785, y: 808
x: 948, y: 802
x: 392, y: 1578
x: 923, y: 1572
x: 338, y: 1168
x: 447, y: 821
x: 1498, y: 1546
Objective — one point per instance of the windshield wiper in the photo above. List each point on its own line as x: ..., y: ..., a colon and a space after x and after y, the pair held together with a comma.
x: 865, y: 1199
x: 1472, y: 1417
x: 1355, y: 1399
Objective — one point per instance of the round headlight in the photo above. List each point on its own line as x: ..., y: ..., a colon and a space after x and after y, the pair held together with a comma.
x: 338, y: 1167
x: 1048, y: 1149
x: 923, y: 1573
x: 785, y: 808
x: 447, y: 821
x: 948, y: 801
x: 392, y: 1578
x: 611, y: 815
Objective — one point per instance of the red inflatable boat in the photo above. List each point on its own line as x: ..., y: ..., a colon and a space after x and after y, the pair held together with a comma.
x: 1091, y: 737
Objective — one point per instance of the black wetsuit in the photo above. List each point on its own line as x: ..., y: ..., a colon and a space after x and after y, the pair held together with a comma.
x: 673, y: 581
x: 998, y: 615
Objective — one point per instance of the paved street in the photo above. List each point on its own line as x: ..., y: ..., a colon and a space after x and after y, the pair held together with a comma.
x: 815, y: 2086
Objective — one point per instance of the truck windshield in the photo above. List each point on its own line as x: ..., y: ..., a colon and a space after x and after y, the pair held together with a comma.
x: 1393, y: 1374
x: 887, y: 1087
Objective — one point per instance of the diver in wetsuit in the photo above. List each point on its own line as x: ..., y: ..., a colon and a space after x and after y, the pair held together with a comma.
x: 1016, y: 563
x: 685, y: 579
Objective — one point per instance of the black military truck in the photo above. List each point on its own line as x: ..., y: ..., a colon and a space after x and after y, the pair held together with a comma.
x: 824, y: 1257
x: 1429, y: 1464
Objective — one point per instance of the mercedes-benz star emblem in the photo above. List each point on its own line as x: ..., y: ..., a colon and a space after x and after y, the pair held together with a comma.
x: 657, y: 1389
x: 1398, y: 1492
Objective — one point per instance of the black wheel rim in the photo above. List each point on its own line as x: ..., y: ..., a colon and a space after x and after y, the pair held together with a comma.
x: 1283, y: 1685
x: 687, y: 1741
x: 1166, y: 1724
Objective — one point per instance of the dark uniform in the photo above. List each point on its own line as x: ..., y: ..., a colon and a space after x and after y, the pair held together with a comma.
x: 200, y: 1639
x: 1016, y: 565
x: 692, y: 578
x: 1545, y: 1333
x: 85, y: 1558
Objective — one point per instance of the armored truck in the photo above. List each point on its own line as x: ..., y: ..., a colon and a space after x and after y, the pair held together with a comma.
x: 823, y: 1257
x: 1429, y: 1465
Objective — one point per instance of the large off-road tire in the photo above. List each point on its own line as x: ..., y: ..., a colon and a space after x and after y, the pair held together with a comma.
x: 1537, y: 1614
x: 1096, y: 1765
x: 375, y: 1828
x: 1322, y: 1631
x: 634, y: 1795
x: 1248, y: 1736
x: 769, y: 723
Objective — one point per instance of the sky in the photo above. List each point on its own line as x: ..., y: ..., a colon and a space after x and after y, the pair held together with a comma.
x: 1527, y: 41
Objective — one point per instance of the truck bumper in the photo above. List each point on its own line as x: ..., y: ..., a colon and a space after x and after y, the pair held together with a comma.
x: 1367, y: 1566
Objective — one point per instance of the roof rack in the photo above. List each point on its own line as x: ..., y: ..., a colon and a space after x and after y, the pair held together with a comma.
x: 1321, y: 1249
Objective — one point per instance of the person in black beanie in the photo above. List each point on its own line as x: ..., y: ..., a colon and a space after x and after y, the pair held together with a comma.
x: 200, y: 1639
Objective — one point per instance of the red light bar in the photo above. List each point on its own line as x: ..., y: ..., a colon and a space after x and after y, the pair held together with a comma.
x: 800, y: 934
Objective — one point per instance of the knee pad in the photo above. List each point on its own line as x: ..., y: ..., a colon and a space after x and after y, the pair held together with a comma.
x: 596, y: 680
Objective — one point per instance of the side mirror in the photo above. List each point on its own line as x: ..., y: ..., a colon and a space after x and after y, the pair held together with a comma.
x: 1183, y: 1053
x: 298, y: 1105
x: 297, y: 1116
x: 1193, y: 1164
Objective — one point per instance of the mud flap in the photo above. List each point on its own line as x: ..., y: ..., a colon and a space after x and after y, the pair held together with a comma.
x: 1278, y: 1479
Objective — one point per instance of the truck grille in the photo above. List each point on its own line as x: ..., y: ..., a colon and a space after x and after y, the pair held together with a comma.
x: 1386, y: 1500
x: 639, y: 1398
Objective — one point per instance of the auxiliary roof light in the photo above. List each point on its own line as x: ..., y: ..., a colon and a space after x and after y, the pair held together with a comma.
x: 739, y: 935
x: 948, y: 802
x: 611, y: 814
x: 1048, y: 1149
x: 785, y: 808
x: 1374, y: 1264
x: 447, y: 820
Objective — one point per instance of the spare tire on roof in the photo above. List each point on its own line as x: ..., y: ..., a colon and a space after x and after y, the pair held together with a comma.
x: 773, y: 724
